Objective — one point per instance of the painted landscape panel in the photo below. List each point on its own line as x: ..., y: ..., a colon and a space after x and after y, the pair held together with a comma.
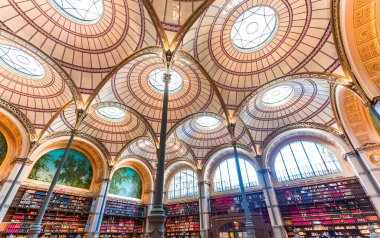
x: 76, y: 172
x: 126, y: 182
x: 3, y: 148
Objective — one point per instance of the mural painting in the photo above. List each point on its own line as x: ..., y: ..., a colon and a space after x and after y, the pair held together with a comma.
x: 126, y: 182
x: 76, y: 172
x: 3, y: 148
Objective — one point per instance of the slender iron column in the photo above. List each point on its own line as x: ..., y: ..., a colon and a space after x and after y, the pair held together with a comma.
x: 103, y: 206
x: 24, y: 161
x: 36, y: 227
x: 157, y: 215
x: 271, y: 201
x: 248, y: 220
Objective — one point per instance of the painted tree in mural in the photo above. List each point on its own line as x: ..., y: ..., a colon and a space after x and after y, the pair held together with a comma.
x: 42, y: 165
x: 3, y: 148
x: 126, y: 182
x: 76, y: 172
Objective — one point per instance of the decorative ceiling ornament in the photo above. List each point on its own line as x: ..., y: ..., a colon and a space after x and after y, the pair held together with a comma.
x: 254, y: 28
x: 156, y: 81
x: 303, y: 42
x: 20, y: 62
x: 278, y: 95
x: 83, y: 11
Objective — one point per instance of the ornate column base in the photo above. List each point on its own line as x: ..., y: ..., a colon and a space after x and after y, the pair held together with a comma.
x: 250, y: 230
x: 279, y: 232
x: 204, y: 233
x: 34, y: 230
x: 156, y: 226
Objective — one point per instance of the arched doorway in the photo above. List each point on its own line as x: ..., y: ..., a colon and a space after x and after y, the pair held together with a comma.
x: 233, y: 230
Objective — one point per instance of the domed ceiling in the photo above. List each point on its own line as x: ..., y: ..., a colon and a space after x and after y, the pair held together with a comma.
x: 99, y: 70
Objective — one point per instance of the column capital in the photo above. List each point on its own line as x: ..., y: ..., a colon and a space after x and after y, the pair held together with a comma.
x: 233, y: 143
x: 207, y: 182
x: 166, y: 78
x: 148, y: 191
x: 264, y: 171
x: 23, y: 160
x: 101, y: 180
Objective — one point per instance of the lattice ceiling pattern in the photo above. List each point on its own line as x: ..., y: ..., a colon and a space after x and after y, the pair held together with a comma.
x: 303, y: 42
x: 109, y: 60
x: 86, y: 51
x: 173, y: 13
x: 309, y: 102
x: 131, y: 87
x: 38, y: 98
x: 114, y: 134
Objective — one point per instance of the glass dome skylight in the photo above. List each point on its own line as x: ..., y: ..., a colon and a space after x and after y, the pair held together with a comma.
x: 156, y: 81
x: 278, y: 95
x: 81, y: 11
x: 20, y: 62
x: 254, y: 28
x: 111, y: 113
x: 208, y: 122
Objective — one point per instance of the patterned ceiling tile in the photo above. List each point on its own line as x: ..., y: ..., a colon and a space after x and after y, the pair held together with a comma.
x: 303, y: 42
x: 86, y: 51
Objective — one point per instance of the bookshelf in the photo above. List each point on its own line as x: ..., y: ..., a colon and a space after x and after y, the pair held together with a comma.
x: 182, y: 220
x: 335, y: 209
x: 234, y: 204
x: 66, y: 215
x: 123, y: 218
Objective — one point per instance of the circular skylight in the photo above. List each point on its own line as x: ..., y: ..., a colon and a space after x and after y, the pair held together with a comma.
x: 81, y: 11
x: 254, y: 28
x: 207, y: 122
x: 278, y: 95
x: 111, y: 113
x: 156, y: 81
x: 20, y: 62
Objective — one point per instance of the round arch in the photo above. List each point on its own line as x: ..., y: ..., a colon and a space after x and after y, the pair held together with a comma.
x: 355, y: 118
x: 357, y: 29
x: 217, y: 157
x: 142, y: 169
x: 172, y: 170
x: 87, y: 148
x: 331, y: 141
x: 18, y: 142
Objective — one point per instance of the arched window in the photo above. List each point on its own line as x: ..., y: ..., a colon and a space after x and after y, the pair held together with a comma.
x: 304, y: 159
x: 183, y: 184
x: 226, y: 178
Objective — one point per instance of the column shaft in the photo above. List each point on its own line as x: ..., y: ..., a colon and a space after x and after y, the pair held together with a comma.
x: 366, y: 179
x: 248, y: 220
x: 35, y: 229
x: 8, y: 188
x: 204, y: 209
x: 98, y: 211
x: 157, y: 217
x: 272, y: 205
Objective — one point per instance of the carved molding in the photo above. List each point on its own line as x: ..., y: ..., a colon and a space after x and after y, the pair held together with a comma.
x: 21, y: 117
x: 301, y: 125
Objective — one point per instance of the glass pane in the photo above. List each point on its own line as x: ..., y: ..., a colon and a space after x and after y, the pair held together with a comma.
x: 303, y: 159
x: 226, y: 177
x: 183, y: 184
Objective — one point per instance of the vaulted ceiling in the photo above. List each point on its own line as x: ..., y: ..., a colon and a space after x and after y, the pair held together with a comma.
x: 109, y: 62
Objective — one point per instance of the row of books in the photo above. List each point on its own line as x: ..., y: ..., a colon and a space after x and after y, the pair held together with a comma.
x: 124, y: 208
x: 347, y: 216
x: 33, y: 199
